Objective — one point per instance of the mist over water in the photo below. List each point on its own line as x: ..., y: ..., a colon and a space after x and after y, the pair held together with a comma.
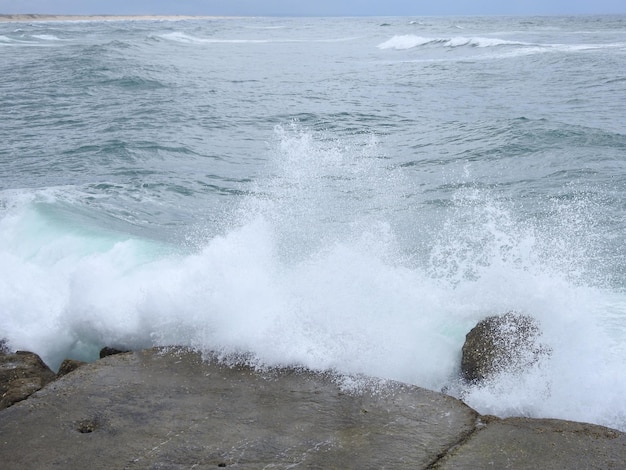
x: 317, y: 193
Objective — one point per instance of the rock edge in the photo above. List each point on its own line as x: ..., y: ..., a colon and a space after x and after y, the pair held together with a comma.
x: 167, y: 408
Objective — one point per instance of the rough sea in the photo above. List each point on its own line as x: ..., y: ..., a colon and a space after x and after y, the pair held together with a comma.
x: 351, y: 194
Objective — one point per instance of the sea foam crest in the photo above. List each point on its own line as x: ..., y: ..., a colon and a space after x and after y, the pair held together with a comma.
x: 188, y: 39
x: 34, y: 40
x: 46, y: 37
x: 410, y: 41
x: 7, y: 40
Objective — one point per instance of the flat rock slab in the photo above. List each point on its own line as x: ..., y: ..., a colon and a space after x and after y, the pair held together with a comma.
x: 529, y: 444
x: 167, y: 409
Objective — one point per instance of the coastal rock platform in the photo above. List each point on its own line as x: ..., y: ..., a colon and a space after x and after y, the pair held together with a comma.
x: 166, y: 408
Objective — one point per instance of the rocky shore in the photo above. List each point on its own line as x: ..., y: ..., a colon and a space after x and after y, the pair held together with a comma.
x: 167, y: 408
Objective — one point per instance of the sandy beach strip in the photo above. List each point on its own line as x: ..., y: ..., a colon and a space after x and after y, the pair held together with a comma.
x: 43, y: 17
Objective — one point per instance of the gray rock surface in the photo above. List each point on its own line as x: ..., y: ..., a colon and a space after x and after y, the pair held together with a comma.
x: 529, y: 444
x: 152, y: 409
x: 167, y: 409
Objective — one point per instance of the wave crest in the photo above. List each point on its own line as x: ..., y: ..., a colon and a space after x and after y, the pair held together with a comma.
x: 188, y: 39
x: 410, y: 41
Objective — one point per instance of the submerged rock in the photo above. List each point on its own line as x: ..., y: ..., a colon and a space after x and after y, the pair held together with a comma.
x: 503, y: 343
x: 21, y: 374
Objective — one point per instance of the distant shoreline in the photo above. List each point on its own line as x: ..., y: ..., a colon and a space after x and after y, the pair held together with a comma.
x: 43, y: 17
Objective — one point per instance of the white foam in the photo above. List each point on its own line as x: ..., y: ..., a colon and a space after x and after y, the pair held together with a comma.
x: 411, y: 41
x: 46, y: 37
x: 12, y: 41
x: 8, y: 41
x: 586, y: 47
x: 188, y: 39
x: 403, y: 42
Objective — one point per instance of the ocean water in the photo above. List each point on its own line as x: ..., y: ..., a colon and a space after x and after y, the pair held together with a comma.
x: 352, y: 194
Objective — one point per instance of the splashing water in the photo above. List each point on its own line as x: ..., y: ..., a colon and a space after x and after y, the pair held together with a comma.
x: 317, y: 268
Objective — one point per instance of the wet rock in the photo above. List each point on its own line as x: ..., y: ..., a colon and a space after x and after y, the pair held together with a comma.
x: 497, y: 344
x: 21, y: 374
x: 69, y: 365
x: 107, y: 351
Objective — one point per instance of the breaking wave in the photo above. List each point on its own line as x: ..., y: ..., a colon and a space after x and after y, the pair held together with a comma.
x: 312, y: 269
x: 411, y: 41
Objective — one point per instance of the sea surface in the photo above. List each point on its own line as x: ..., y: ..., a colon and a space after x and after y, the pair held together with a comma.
x: 351, y: 194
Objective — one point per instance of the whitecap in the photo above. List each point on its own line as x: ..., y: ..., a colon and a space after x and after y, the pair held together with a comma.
x: 411, y: 41
x: 403, y: 42
x: 188, y: 39
x: 46, y: 37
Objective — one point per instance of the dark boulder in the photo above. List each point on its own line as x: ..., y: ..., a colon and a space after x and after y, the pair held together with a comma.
x: 504, y: 343
x: 21, y: 374
x: 107, y: 351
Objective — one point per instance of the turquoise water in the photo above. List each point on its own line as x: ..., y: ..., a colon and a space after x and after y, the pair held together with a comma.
x: 347, y: 194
